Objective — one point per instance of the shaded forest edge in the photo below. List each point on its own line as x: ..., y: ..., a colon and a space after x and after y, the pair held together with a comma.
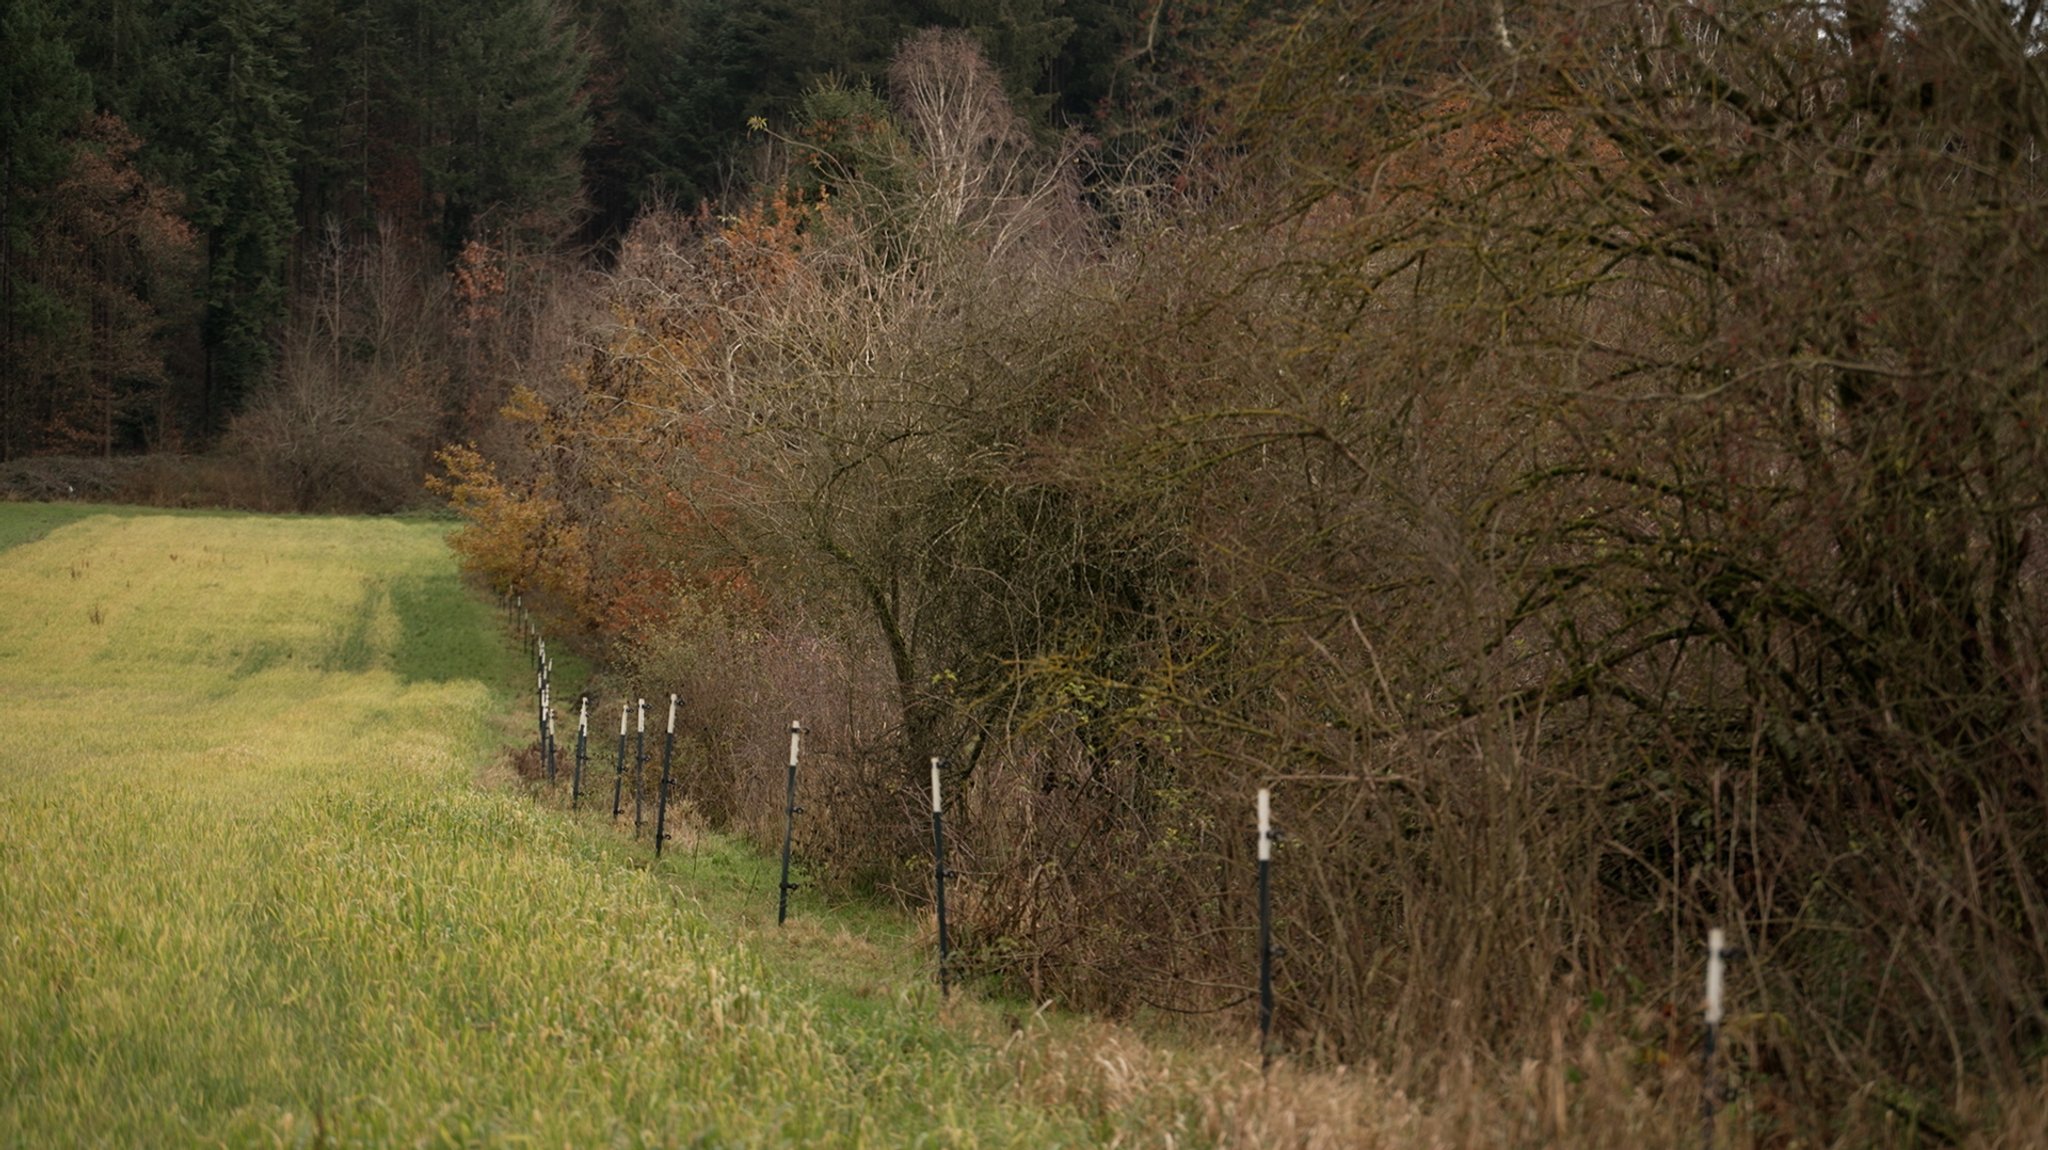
x: 212, y: 210
x: 1588, y: 460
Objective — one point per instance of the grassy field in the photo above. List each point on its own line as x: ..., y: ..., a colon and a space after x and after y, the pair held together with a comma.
x: 258, y: 888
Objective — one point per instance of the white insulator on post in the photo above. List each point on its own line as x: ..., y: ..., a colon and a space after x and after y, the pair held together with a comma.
x: 796, y: 735
x: 671, y: 713
x: 935, y: 783
x: 1265, y: 825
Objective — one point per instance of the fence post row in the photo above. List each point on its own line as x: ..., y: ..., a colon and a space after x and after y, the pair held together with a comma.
x: 789, y: 813
x: 1717, y: 946
x: 619, y: 763
x: 582, y: 748
x: 668, y: 750
x: 940, y: 873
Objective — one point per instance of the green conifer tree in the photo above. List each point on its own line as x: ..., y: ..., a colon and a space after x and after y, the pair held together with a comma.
x: 242, y: 192
x: 343, y: 80
x: 502, y: 101
x: 46, y: 95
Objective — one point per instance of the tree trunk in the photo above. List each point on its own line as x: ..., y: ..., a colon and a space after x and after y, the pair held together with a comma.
x: 919, y: 714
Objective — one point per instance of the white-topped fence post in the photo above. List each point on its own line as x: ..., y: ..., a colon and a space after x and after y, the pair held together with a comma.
x: 540, y: 707
x: 639, y: 762
x: 1717, y: 957
x: 668, y: 751
x: 548, y: 745
x: 1265, y: 850
x: 619, y: 763
x: 582, y: 749
x: 940, y: 874
x: 789, y: 813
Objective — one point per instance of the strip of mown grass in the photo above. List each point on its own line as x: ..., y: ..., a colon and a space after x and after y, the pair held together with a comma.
x: 25, y: 522
x: 252, y: 892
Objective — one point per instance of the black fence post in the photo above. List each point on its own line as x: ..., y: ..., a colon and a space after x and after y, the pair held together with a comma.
x: 668, y: 751
x: 939, y: 872
x: 789, y: 813
x: 619, y: 763
x: 639, y: 763
x: 582, y: 748
x: 1265, y: 927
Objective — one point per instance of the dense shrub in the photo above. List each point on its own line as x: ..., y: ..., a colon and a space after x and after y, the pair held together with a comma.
x: 1599, y: 492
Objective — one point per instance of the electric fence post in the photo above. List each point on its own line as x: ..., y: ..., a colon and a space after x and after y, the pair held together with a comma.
x: 582, y: 748
x: 547, y: 720
x: 619, y: 763
x: 639, y: 763
x: 551, y: 742
x: 1265, y: 927
x: 540, y: 695
x: 668, y: 750
x: 1717, y: 955
x: 789, y: 813
x: 939, y: 872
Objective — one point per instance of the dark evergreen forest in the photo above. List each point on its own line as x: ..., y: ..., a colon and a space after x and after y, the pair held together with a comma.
x: 173, y: 175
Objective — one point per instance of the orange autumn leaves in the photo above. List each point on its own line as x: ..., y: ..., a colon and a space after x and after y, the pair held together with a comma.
x: 613, y: 513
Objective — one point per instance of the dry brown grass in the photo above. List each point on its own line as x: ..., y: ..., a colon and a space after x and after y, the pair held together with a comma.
x: 1592, y: 1090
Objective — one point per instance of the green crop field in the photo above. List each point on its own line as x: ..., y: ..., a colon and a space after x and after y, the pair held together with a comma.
x: 261, y: 884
